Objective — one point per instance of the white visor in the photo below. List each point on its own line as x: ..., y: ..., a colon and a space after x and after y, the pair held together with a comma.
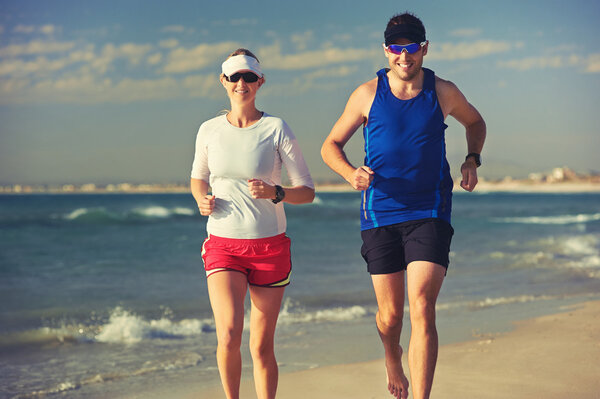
x: 241, y: 63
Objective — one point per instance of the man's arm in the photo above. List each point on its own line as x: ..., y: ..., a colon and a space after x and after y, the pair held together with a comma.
x: 332, y: 151
x: 454, y: 103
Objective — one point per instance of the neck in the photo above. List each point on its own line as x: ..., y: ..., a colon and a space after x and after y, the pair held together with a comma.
x: 406, y: 89
x: 244, y: 115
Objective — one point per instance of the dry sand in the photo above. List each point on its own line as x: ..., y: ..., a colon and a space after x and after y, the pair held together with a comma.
x: 556, y: 356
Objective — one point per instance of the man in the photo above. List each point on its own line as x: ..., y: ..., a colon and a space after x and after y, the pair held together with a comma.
x: 407, y: 192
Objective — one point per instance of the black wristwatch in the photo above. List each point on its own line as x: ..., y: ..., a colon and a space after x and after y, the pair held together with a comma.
x: 476, y: 156
x: 279, y: 194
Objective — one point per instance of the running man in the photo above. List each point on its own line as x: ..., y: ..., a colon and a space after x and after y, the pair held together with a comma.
x: 406, y: 192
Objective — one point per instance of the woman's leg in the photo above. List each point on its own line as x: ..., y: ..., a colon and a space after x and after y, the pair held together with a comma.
x: 227, y: 292
x: 266, y: 303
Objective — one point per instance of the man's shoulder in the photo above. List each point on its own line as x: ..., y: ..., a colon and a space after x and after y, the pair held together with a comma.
x: 367, y: 88
x: 365, y: 92
x: 444, y: 86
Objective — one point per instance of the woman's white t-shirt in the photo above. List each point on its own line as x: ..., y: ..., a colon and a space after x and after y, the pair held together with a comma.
x: 228, y: 156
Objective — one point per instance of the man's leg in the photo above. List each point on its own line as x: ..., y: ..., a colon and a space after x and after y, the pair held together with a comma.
x: 424, y: 281
x: 266, y: 302
x: 389, y: 290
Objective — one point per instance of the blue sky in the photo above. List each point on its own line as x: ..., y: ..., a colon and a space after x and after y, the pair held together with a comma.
x: 114, y: 91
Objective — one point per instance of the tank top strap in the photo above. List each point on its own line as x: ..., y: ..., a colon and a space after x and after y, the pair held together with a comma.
x: 383, y: 85
x: 429, y: 79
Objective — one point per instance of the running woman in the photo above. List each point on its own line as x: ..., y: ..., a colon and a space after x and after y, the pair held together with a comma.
x: 239, y: 156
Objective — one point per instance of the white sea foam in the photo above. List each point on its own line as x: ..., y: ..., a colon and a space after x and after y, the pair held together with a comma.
x: 153, y: 212
x: 581, y: 245
x: 147, y: 212
x: 183, y: 211
x: 559, y: 219
x: 76, y: 213
x: 181, y: 360
x: 293, y: 313
x: 126, y: 327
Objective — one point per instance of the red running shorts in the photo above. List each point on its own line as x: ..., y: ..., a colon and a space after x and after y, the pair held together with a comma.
x: 265, y: 261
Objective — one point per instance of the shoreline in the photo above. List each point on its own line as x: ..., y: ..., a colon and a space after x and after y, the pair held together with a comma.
x: 483, y: 187
x: 549, y: 356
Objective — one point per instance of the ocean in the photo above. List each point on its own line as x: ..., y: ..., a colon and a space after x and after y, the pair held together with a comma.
x: 105, y: 295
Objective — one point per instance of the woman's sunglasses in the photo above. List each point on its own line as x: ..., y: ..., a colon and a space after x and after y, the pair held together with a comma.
x: 409, y: 48
x: 248, y: 77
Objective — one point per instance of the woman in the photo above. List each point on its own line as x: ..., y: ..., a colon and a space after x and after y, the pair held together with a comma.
x: 240, y: 155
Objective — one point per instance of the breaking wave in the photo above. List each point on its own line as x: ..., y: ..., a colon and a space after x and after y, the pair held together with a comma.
x: 559, y: 219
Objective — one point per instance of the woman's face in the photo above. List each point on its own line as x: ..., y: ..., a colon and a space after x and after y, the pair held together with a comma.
x: 241, y: 91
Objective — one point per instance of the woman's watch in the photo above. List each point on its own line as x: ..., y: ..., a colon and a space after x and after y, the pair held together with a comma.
x: 279, y: 194
x: 476, y: 157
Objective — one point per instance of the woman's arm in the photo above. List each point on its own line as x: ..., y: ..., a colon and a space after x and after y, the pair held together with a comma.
x: 293, y: 195
x: 206, y: 203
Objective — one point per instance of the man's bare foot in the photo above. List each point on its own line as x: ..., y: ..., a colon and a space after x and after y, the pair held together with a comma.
x: 397, y: 381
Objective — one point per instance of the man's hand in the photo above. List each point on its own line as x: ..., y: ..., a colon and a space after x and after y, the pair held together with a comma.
x: 469, y: 175
x: 361, y: 178
x: 206, y: 205
x: 260, y: 189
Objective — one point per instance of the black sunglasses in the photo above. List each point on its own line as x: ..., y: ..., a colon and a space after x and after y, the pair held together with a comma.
x: 248, y: 77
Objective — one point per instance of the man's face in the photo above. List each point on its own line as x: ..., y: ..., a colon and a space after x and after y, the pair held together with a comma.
x: 406, y: 66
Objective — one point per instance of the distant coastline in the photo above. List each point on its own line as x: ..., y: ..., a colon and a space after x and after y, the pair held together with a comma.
x: 559, y: 180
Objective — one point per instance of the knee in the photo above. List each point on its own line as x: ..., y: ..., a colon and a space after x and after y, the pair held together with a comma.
x: 390, y: 318
x: 261, y: 349
x: 422, y: 314
x: 230, y: 338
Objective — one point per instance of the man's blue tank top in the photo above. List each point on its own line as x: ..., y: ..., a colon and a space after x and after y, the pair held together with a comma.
x: 405, y: 147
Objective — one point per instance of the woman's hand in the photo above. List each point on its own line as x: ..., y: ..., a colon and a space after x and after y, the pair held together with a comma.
x: 260, y: 189
x: 206, y: 205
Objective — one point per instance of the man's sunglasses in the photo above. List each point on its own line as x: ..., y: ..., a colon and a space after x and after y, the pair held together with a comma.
x: 248, y: 77
x: 409, y: 48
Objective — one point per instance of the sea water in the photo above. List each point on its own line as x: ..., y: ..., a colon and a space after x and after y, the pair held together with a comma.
x: 105, y: 295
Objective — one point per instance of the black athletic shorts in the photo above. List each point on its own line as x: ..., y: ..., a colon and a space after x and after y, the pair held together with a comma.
x: 389, y: 249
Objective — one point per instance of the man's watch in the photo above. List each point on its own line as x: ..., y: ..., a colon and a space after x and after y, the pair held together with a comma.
x: 279, y: 194
x: 476, y: 157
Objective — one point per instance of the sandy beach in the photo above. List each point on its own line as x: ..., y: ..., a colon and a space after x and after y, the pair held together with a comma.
x: 553, y: 356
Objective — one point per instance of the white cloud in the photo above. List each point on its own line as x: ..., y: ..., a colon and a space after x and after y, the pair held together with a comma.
x: 466, y: 50
x: 301, y: 40
x: 35, y: 47
x: 207, y: 86
x: 155, y: 59
x: 588, y: 64
x: 272, y: 58
x: 332, y: 72
x: 466, y: 32
x: 243, y: 21
x: 169, y: 43
x: 177, y: 29
x: 88, y: 89
x: 593, y: 64
x: 21, y: 68
x: 182, y: 60
x: 134, y: 53
x: 24, y: 29
x: 48, y: 29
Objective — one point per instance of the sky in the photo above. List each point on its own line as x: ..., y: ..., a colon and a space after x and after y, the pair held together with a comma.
x: 114, y: 91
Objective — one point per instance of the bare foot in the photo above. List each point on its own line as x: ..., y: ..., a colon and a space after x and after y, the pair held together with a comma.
x: 397, y: 381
